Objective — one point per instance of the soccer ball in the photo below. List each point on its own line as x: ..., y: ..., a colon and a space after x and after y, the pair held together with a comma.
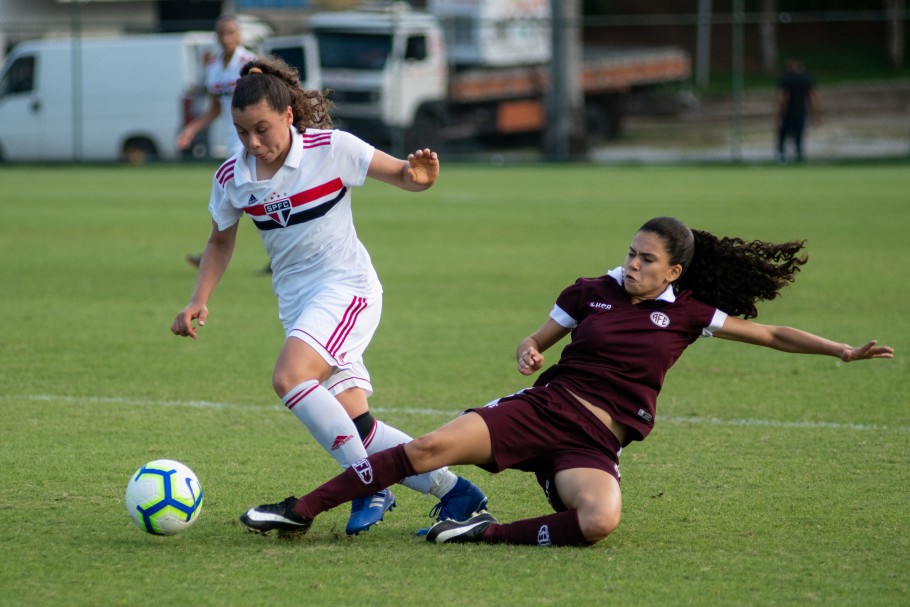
x: 164, y: 497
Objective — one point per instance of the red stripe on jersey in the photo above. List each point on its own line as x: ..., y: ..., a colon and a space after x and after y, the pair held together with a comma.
x: 358, y: 304
x: 301, y: 198
x: 317, y: 140
x: 222, y: 174
x: 294, y: 400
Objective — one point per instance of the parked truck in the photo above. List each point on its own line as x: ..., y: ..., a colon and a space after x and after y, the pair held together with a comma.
x: 468, y: 68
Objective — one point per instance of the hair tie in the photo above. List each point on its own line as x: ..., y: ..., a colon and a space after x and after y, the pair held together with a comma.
x: 254, y: 70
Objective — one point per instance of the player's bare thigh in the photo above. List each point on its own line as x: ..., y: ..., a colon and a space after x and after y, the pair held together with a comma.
x: 464, y: 440
x: 596, y: 496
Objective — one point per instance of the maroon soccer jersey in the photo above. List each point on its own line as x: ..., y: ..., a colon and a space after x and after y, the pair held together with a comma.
x: 620, y: 351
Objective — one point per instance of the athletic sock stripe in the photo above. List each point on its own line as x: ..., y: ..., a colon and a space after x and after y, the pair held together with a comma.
x: 370, y: 435
x: 294, y: 400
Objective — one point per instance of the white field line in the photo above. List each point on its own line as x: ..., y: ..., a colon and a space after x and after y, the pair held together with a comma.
x: 448, y: 413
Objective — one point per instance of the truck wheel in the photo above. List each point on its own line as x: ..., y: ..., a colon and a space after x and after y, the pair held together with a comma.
x: 139, y: 151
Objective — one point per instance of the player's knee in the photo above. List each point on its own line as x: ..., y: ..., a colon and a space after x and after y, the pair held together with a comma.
x: 280, y: 383
x: 283, y: 381
x: 597, y: 522
x: 423, y: 451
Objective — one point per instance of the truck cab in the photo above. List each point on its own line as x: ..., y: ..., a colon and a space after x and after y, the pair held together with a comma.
x: 386, y: 68
x: 301, y: 52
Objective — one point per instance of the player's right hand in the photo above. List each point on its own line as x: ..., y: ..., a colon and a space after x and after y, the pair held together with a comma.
x: 529, y: 361
x: 183, y: 324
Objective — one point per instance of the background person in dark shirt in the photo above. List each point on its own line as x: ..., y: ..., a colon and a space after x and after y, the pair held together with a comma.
x: 797, y: 100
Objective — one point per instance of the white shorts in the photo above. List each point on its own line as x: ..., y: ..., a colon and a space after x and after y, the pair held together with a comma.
x: 339, y: 324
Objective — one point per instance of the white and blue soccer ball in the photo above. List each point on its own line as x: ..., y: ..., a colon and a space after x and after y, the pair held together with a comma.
x: 164, y: 497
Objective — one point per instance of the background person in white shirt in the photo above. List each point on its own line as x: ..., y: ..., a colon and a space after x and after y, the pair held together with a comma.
x: 221, y: 74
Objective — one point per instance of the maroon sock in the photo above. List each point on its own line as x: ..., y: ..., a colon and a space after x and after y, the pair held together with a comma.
x: 363, y: 478
x: 560, y: 529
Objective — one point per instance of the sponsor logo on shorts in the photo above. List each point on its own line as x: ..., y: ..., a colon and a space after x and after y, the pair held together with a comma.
x: 660, y: 319
x: 364, y: 471
x: 340, y: 441
x: 543, y: 535
x: 645, y: 415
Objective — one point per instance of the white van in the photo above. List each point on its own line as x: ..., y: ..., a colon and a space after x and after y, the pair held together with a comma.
x: 132, y: 96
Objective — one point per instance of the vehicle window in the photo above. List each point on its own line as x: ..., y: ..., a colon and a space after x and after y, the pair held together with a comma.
x: 354, y: 51
x: 19, y: 78
x: 293, y: 56
x: 416, y: 49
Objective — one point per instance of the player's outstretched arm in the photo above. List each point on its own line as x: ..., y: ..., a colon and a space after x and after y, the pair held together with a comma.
x: 788, y: 339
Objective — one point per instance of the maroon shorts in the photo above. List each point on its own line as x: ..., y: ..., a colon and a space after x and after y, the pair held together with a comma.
x: 544, y: 430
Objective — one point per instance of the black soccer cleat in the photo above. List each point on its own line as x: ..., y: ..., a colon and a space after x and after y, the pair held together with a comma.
x: 457, y: 532
x: 280, y: 516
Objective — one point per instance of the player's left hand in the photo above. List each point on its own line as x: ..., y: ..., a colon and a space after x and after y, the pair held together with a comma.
x: 423, y: 167
x: 870, y: 350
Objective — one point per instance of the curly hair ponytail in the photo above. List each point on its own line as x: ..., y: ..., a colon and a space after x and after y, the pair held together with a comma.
x: 728, y: 273
x: 276, y: 82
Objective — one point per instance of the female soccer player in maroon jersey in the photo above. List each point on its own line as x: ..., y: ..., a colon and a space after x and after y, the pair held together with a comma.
x: 627, y: 328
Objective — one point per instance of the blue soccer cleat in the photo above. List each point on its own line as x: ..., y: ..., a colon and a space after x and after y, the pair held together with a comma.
x: 367, y: 511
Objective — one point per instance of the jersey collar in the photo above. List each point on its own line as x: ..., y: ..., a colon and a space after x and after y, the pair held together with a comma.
x: 296, y: 152
x: 619, y: 273
x: 292, y: 160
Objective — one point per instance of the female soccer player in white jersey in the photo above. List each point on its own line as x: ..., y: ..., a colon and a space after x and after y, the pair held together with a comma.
x: 628, y: 328
x: 294, y: 181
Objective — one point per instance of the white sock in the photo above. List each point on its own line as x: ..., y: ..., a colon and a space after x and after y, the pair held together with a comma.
x: 437, y: 482
x: 326, y: 420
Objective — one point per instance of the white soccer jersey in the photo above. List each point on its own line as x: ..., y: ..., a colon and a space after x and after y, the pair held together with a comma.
x: 303, y: 214
x: 220, y: 81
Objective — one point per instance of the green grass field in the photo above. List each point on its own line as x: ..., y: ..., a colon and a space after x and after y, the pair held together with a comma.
x: 769, y: 479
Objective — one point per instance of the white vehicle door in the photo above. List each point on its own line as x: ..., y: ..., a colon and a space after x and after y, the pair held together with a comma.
x: 24, y: 113
x: 421, y: 78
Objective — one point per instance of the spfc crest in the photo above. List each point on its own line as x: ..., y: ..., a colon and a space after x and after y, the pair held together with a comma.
x: 280, y: 210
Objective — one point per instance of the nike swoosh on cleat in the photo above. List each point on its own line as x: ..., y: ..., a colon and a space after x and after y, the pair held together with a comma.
x: 445, y: 536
